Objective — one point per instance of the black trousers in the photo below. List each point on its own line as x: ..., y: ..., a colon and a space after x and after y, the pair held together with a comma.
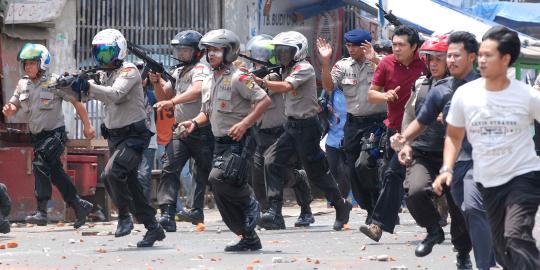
x: 47, y: 167
x: 120, y: 173
x: 231, y: 200
x: 511, y: 210
x: 364, y: 185
x: 265, y: 138
x: 199, y: 145
x: 302, y: 138
x: 420, y: 175
x: 339, y: 169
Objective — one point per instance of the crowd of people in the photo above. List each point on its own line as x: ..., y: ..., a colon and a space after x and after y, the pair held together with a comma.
x: 405, y: 120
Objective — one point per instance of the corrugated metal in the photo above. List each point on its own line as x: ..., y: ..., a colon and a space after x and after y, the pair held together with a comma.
x: 150, y: 23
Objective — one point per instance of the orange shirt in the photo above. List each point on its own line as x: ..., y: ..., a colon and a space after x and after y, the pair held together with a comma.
x: 164, y: 123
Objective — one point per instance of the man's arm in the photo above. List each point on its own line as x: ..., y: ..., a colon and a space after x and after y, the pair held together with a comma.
x: 239, y: 129
x: 89, y: 131
x: 277, y: 86
x: 377, y: 96
x: 162, y: 89
x: 452, y: 146
x: 192, y: 93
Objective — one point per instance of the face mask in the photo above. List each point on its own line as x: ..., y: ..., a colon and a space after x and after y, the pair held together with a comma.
x: 285, y: 54
x: 183, y: 53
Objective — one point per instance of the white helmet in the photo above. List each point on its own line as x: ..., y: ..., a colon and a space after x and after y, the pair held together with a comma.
x: 35, y: 52
x: 293, y: 39
x: 108, y: 46
x: 222, y: 38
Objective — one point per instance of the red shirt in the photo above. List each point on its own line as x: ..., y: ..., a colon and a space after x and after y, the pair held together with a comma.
x: 391, y: 74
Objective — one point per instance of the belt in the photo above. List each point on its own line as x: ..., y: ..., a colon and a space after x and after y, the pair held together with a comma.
x: 125, y: 131
x: 225, y: 140
x: 374, y: 118
x: 300, y: 123
x: 271, y: 131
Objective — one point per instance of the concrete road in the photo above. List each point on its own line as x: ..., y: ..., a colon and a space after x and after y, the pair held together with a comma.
x: 58, y: 246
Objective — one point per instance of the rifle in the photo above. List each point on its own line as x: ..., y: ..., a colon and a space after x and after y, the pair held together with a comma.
x: 67, y: 79
x: 265, y: 70
x: 151, y: 64
x: 391, y: 18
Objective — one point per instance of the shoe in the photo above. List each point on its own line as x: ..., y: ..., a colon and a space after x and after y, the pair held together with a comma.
x: 305, y: 218
x: 40, y: 217
x: 247, y: 243
x: 82, y: 209
x: 463, y: 262
x: 273, y: 219
x: 155, y: 233
x: 124, y: 227
x: 195, y: 216
x: 434, y: 236
x: 167, y: 217
x: 373, y: 231
x: 343, y: 210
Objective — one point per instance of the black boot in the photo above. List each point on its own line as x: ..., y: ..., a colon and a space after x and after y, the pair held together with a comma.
x: 252, y: 215
x: 343, y: 210
x: 273, y: 219
x: 250, y: 241
x: 305, y: 218
x: 434, y: 236
x: 195, y: 216
x: 463, y: 261
x: 155, y: 233
x: 82, y: 209
x: 167, y: 217
x: 4, y: 224
x: 40, y: 217
x: 124, y: 226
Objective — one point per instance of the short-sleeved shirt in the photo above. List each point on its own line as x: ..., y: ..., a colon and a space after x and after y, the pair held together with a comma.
x: 337, y: 120
x: 391, y: 74
x: 122, y: 95
x: 438, y: 101
x: 185, y: 77
x: 355, y: 79
x: 40, y: 102
x: 498, y: 127
x: 301, y: 102
x: 274, y: 116
x: 228, y: 98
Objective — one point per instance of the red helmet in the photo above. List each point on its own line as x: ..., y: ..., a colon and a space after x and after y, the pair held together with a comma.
x: 435, y: 45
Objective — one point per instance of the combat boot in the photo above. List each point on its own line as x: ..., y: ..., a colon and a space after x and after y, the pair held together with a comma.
x: 155, y: 233
x: 167, y: 217
x: 82, y: 210
x: 124, y: 226
x: 195, y: 216
x: 40, y: 217
x: 252, y: 215
x: 273, y: 219
x: 250, y: 241
x: 343, y: 210
x: 305, y: 218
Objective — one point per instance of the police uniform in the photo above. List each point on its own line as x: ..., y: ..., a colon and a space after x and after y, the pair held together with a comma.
x: 128, y: 135
x: 363, y: 118
x: 268, y: 130
x: 198, y: 145
x: 41, y: 104
x: 302, y: 136
x: 227, y: 99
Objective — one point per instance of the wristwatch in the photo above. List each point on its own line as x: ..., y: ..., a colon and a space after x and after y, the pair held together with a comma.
x: 447, y: 169
x: 195, y: 123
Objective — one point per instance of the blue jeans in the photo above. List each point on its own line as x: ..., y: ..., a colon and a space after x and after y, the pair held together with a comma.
x: 145, y: 171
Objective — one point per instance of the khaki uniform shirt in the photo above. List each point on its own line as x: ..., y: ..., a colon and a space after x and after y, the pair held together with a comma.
x: 41, y: 103
x: 122, y: 95
x: 228, y: 99
x: 185, y: 77
x: 355, y: 79
x: 301, y: 102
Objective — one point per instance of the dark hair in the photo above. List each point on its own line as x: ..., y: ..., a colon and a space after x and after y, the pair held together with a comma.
x: 508, y: 40
x: 468, y: 39
x: 383, y: 45
x: 411, y: 33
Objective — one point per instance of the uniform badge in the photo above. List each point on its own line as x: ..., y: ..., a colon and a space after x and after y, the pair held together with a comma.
x: 297, y: 68
x: 124, y: 72
x: 223, y: 104
x: 227, y: 81
x: 294, y: 93
x: 248, y: 80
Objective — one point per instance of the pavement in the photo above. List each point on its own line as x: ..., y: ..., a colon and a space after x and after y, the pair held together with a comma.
x: 59, y: 246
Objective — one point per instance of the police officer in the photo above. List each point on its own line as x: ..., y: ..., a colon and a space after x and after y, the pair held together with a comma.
x: 5, y: 209
x: 266, y: 132
x: 41, y: 102
x: 228, y: 95
x: 302, y: 130
x: 186, y: 98
x: 353, y: 74
x: 120, y: 89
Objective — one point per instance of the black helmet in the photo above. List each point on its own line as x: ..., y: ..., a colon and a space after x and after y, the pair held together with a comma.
x: 187, y: 40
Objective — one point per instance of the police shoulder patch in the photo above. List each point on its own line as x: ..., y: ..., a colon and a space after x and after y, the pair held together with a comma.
x: 125, y: 71
x: 247, y: 80
x: 297, y: 67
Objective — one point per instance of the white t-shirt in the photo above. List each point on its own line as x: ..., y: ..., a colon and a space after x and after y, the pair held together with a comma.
x: 497, y: 125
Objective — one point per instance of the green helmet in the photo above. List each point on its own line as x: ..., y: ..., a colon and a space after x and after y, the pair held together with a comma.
x: 261, y: 48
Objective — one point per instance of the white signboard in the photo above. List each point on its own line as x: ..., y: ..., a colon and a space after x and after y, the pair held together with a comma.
x: 33, y: 11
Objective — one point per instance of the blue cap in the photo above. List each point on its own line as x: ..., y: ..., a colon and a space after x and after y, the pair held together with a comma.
x: 357, y: 36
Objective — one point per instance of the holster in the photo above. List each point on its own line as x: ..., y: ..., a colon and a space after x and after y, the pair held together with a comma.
x: 235, y: 169
x: 50, y: 147
x: 104, y: 131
